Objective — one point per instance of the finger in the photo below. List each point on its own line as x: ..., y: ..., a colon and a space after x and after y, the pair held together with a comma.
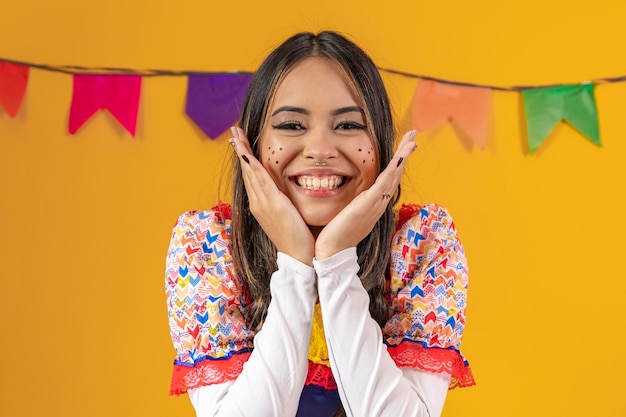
x: 241, y: 144
x: 405, y: 148
x: 388, y: 180
x: 257, y: 180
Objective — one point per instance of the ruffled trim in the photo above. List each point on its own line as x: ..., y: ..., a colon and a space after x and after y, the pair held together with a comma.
x: 408, y: 355
x: 206, y: 372
x: 437, y: 360
x: 321, y: 376
x: 223, y: 211
x: 405, y: 213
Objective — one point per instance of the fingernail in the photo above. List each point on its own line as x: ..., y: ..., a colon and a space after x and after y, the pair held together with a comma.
x: 400, y: 161
x: 232, y: 143
x: 413, y: 134
x: 235, y: 132
x: 245, y: 159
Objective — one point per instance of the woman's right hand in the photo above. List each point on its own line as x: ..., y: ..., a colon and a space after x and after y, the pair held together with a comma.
x: 276, y: 214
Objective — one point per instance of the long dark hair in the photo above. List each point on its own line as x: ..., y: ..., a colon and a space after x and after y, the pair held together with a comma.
x: 254, y: 253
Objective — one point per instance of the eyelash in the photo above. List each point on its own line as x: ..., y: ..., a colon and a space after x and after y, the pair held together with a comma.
x: 289, y: 125
x: 347, y: 125
x: 293, y: 125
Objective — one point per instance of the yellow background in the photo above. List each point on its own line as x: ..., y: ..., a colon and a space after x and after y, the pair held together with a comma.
x: 86, y: 219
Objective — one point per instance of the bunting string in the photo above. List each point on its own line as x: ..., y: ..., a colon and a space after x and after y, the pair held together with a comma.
x: 77, y: 69
x: 213, y: 99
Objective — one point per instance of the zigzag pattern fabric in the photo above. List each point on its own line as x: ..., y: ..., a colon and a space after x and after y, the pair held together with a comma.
x: 428, y: 293
x: 206, y: 299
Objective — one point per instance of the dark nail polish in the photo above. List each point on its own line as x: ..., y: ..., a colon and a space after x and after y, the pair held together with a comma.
x: 400, y: 161
x: 245, y: 158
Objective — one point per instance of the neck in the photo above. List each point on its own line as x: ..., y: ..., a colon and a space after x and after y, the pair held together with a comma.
x: 315, y: 230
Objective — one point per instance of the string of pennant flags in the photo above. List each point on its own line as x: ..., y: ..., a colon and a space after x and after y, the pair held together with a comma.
x: 213, y: 100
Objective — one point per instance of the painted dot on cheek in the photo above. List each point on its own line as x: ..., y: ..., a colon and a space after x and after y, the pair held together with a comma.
x: 276, y: 162
x: 364, y: 161
x: 280, y: 149
x: 360, y: 149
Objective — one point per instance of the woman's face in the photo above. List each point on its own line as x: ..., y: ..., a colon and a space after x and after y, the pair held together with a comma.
x: 316, y: 144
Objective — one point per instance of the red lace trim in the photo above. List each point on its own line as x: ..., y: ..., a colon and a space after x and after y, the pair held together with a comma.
x: 435, y: 360
x: 406, y: 354
x: 406, y: 212
x: 320, y: 375
x: 207, y: 372
x: 223, y: 211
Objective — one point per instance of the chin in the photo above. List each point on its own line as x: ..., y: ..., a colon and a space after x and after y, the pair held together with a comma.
x: 316, y: 218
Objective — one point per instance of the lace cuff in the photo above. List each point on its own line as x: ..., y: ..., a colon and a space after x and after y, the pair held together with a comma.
x: 436, y: 360
x: 206, y: 372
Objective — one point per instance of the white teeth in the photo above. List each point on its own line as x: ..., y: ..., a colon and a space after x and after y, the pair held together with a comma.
x: 320, y: 182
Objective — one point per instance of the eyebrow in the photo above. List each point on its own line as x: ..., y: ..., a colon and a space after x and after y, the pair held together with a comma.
x: 348, y: 109
x: 336, y: 112
x: 291, y: 109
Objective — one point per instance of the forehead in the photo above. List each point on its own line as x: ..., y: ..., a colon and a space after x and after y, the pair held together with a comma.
x: 316, y: 81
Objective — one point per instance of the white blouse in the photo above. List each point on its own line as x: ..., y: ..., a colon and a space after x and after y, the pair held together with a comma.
x: 368, y: 381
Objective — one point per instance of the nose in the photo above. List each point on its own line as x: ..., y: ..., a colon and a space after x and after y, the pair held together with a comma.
x: 320, y: 145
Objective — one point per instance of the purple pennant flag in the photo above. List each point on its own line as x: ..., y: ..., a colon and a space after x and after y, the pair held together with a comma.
x: 214, y: 100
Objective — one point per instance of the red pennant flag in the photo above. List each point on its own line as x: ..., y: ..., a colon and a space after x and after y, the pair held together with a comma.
x: 468, y: 107
x: 13, y: 81
x: 117, y: 93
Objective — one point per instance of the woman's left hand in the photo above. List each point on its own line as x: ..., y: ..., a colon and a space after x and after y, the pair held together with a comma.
x: 358, y: 218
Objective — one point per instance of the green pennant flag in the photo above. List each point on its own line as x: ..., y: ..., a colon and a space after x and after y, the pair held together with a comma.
x: 545, y: 107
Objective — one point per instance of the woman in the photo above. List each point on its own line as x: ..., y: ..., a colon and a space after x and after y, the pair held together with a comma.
x: 316, y: 299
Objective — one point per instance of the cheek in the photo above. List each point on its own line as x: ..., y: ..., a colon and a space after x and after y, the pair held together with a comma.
x: 366, y: 160
x: 366, y: 154
x: 275, y: 154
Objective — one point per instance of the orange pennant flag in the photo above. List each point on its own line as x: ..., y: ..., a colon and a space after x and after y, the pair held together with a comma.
x: 13, y: 81
x: 468, y: 107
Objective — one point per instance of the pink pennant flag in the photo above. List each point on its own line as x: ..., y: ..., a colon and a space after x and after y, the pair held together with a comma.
x: 117, y: 93
x: 13, y: 82
x: 468, y: 107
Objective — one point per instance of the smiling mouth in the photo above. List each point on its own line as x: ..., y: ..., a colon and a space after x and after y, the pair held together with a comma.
x: 319, y: 182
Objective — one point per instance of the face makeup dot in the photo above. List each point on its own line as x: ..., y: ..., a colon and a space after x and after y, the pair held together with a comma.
x: 364, y: 161
x: 276, y: 162
x: 280, y: 149
x: 360, y: 149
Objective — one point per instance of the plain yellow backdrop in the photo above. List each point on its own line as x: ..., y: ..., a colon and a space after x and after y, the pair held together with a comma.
x: 86, y: 219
